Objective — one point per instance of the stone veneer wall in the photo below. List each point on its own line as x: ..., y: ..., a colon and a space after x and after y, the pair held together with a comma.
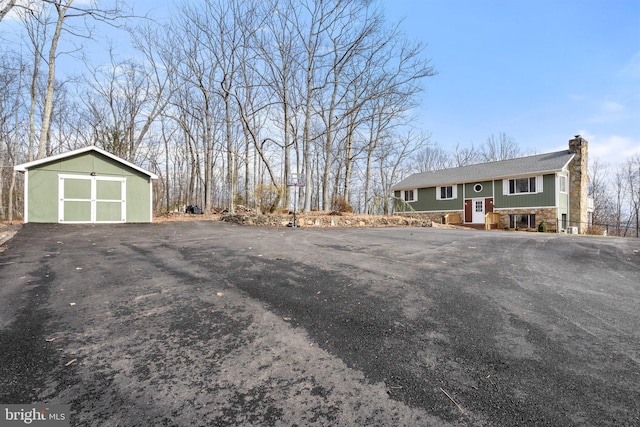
x: 437, y: 216
x: 548, y: 215
x: 578, y: 184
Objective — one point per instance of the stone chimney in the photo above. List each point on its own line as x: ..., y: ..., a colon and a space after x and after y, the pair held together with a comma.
x: 578, y: 184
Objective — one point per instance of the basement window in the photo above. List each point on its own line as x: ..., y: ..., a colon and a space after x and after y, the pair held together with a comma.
x: 522, y: 221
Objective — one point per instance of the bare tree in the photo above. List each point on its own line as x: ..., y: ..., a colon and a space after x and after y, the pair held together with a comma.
x: 600, y: 193
x: 6, y: 8
x: 633, y: 183
x: 392, y: 156
x: 431, y: 158
x: 620, y: 198
x: 502, y: 147
x: 463, y: 156
x: 63, y: 11
x: 11, y: 69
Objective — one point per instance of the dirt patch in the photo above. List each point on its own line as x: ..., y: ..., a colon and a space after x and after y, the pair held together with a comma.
x: 7, y: 231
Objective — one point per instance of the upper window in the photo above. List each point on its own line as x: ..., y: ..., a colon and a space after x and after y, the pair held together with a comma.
x: 477, y: 188
x: 447, y: 192
x: 409, y: 195
x: 531, y: 184
x: 563, y: 184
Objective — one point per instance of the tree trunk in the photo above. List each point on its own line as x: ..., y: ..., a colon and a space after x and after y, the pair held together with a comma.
x: 48, y: 100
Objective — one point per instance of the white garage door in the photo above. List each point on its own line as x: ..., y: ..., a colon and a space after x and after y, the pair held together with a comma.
x: 91, y: 199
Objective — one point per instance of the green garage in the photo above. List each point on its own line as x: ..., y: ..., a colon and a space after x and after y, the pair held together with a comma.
x: 86, y: 186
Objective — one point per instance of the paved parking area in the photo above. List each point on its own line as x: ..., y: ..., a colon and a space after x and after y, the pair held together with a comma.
x: 205, y: 323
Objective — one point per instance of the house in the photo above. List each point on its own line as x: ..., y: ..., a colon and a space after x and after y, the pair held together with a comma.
x: 88, y: 185
x: 521, y: 192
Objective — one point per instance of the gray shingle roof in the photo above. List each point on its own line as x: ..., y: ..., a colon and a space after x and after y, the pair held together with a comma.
x: 537, y: 164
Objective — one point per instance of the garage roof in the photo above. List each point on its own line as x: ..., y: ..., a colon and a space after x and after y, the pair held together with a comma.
x: 24, y: 166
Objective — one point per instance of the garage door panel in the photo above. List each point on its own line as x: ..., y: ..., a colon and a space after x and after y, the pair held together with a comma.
x: 109, y: 190
x: 77, y: 189
x: 109, y: 212
x: 77, y: 211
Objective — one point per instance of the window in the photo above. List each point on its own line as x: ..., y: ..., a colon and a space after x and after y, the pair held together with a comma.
x: 531, y: 184
x: 477, y: 188
x: 409, y: 195
x: 563, y: 184
x: 522, y: 221
x: 564, y: 221
x: 447, y: 192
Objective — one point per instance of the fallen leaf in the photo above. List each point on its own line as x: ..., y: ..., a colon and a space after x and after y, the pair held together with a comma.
x: 50, y: 339
x: 72, y: 304
x: 286, y: 318
x: 71, y: 362
x: 219, y: 294
x: 78, y: 268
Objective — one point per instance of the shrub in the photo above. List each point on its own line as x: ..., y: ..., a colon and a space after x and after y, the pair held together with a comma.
x: 268, y: 197
x: 341, y: 205
x: 542, y: 227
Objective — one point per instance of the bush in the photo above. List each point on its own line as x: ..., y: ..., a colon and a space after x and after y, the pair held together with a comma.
x: 340, y: 205
x: 268, y: 197
x: 542, y: 227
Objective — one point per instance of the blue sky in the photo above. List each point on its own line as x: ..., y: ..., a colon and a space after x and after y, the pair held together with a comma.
x: 540, y: 71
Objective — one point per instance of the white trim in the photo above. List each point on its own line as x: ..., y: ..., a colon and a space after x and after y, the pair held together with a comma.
x: 474, y: 213
x: 25, y: 214
x: 539, y: 185
x: 150, y: 201
x: 454, y: 192
x: 566, y: 183
x: 443, y: 211
x: 24, y: 166
x: 414, y: 192
x: 525, y: 208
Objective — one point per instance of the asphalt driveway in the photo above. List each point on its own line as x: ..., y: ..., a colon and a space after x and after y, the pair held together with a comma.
x: 206, y: 323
